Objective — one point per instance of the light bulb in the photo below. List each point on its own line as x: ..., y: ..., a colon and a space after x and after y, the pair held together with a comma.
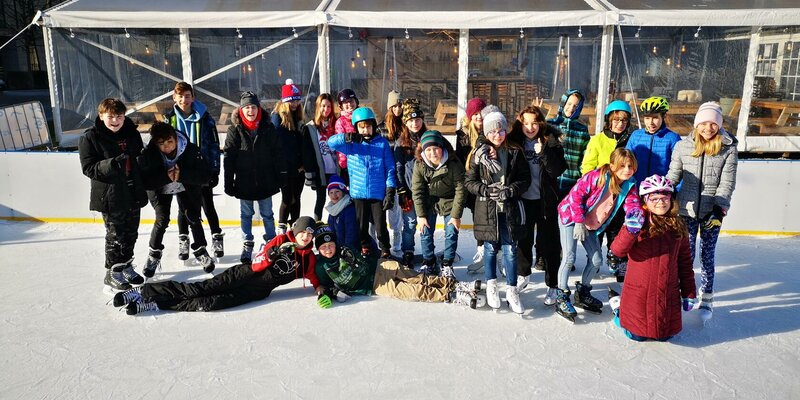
x: 280, y: 71
x: 349, y: 33
x: 521, y: 33
x: 238, y: 33
x: 655, y: 49
x: 580, y: 32
x: 127, y: 35
x: 263, y: 56
x: 407, y: 36
x: 249, y: 68
x: 364, y: 63
x: 147, y: 49
x: 697, y: 34
x: 637, y: 32
x: 71, y: 33
x: 358, y: 53
x: 455, y: 49
x: 294, y: 32
x: 166, y: 62
x: 683, y: 48
x: 669, y: 61
x: 352, y: 63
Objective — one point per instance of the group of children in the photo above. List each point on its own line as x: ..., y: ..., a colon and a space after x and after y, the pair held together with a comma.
x: 543, y: 184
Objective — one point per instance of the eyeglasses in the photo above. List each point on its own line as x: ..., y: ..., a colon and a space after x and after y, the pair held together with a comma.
x: 659, y: 199
x: 619, y: 121
x: 497, y: 133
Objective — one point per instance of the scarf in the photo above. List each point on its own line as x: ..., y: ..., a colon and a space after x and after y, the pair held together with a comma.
x: 250, y: 125
x: 336, y: 209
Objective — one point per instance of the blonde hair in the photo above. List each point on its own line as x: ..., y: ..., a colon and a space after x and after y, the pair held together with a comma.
x: 709, y: 147
x: 289, y: 119
x: 319, y: 119
x: 471, y: 131
x: 619, y: 156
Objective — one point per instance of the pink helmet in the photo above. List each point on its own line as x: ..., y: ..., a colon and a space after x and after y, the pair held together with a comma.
x: 655, y: 184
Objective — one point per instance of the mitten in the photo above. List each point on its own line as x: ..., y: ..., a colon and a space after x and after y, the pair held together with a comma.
x: 634, y: 220
x: 482, y: 157
x: 406, y: 201
x: 688, y: 304
x: 121, y: 160
x: 388, y: 199
x: 287, y: 249
x: 579, y: 232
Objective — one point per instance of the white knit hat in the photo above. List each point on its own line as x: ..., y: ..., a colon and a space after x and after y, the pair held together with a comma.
x: 494, y: 121
x: 709, y: 112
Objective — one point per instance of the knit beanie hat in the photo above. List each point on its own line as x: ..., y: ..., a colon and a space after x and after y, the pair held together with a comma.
x: 249, y: 98
x: 393, y: 99
x: 324, y: 234
x: 709, y: 112
x: 411, y: 110
x: 304, y: 224
x: 290, y: 92
x: 431, y: 138
x: 489, y: 109
x: 337, y: 183
x: 494, y: 121
x: 346, y: 94
x: 475, y: 105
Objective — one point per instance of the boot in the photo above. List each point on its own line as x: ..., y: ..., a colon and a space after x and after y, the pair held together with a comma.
x: 585, y: 300
x: 130, y: 274
x: 447, y: 269
x: 114, y: 279
x: 706, y: 306
x: 512, y: 298
x: 429, y: 267
x: 541, y: 264
x: 492, y: 294
x: 550, y: 297
x: 216, y: 244
x: 153, y: 263
x: 204, y: 259
x: 247, y: 252
x: 564, y: 307
x: 140, y: 307
x: 128, y: 296
x: 183, y: 247
x: 408, y: 259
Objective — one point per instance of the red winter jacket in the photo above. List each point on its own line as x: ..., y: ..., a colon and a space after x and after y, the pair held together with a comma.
x: 304, y: 258
x: 659, y: 275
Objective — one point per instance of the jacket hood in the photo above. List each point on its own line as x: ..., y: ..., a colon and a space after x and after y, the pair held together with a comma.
x: 198, y: 110
x: 442, y: 162
x: 563, y: 102
x: 237, y: 120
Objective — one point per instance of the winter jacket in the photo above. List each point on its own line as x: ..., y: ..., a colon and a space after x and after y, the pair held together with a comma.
x: 553, y: 165
x: 194, y: 171
x: 352, y: 279
x: 598, y: 151
x: 707, y: 181
x: 441, y: 189
x: 292, y: 142
x: 342, y: 219
x: 370, y: 165
x: 659, y: 274
x: 344, y: 125
x: 115, y: 186
x: 254, y: 167
x: 313, y: 163
x: 585, y: 195
x: 574, y: 139
x: 404, y: 160
x: 284, y: 273
x: 485, y: 214
x: 653, y: 151
x: 463, y: 146
x: 201, y: 130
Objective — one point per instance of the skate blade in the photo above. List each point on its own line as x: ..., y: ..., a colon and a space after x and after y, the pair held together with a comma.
x: 591, y: 310
x: 111, y: 291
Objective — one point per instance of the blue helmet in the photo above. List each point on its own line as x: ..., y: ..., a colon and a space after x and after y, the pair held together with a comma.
x: 363, y: 114
x: 618, y: 105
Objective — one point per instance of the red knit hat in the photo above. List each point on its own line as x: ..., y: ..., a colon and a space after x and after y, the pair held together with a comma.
x: 290, y: 92
x: 474, y: 106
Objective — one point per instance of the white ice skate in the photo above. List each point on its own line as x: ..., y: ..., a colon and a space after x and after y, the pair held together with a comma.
x: 492, y: 294
x: 512, y: 298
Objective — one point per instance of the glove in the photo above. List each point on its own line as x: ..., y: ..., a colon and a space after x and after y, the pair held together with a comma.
x: 579, y: 232
x: 634, y: 220
x: 324, y: 301
x: 311, y: 180
x: 688, y: 304
x: 121, y: 160
x: 714, y: 219
x: 348, y: 256
x: 406, y: 201
x: 286, y: 249
x: 388, y: 199
x: 214, y: 181
x: 499, y: 192
x: 482, y: 157
x: 352, y: 137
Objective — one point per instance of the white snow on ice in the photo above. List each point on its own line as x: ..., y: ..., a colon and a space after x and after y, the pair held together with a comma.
x: 60, y: 339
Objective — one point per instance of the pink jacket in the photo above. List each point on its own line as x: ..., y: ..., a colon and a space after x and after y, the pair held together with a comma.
x: 585, y: 195
x: 344, y: 125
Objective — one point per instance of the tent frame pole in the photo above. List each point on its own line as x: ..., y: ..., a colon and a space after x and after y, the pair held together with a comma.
x: 55, y: 100
x: 186, y: 55
x: 463, y: 75
x: 323, y: 54
x: 747, y: 90
x: 604, y: 78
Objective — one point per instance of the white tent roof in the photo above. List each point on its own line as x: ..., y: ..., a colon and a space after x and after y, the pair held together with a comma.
x: 441, y: 14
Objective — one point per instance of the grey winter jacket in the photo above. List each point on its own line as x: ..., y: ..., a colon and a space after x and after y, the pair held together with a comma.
x: 700, y: 192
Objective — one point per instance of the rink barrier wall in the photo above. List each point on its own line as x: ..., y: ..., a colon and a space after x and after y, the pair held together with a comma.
x: 50, y: 187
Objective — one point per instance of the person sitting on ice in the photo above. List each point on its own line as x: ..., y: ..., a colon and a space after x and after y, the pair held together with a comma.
x: 283, y: 259
x: 343, y: 273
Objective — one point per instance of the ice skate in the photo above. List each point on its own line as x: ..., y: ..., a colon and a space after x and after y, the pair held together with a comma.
x: 540, y: 264
x: 217, y: 245
x: 282, y: 228
x: 623, y: 269
x: 114, y: 280
x: 492, y: 294
x: 153, y: 263
x: 706, y: 307
x: 140, y: 307
x: 512, y: 298
x: 201, y: 254
x: 550, y: 297
x: 447, y: 270
x: 127, y: 297
x: 585, y: 300
x: 130, y: 275
x: 247, y: 252
x: 477, y: 262
x: 183, y: 247
x: 408, y: 259
x: 523, y: 281
x: 468, y: 298
x: 474, y: 286
x: 613, y: 263
x: 613, y: 301
x: 564, y: 307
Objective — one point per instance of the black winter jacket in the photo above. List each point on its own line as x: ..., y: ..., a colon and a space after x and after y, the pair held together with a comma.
x: 114, y: 187
x: 255, y: 168
x: 478, y: 179
x: 194, y: 170
x: 209, y: 139
x: 553, y: 165
x: 292, y: 142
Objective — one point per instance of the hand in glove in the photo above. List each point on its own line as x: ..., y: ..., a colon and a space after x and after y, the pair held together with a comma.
x: 579, y: 232
x: 388, y: 199
x: 634, y: 220
x: 312, y: 180
x: 688, y: 304
x: 499, y: 192
x: 406, y: 201
x: 324, y: 301
x: 121, y: 160
x: 352, y: 137
x: 347, y: 255
x: 482, y: 156
x: 714, y: 219
x: 286, y: 249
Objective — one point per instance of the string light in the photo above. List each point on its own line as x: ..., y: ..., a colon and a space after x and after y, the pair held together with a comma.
x: 71, y: 33
x: 580, y: 32
x: 352, y: 63
x: 364, y: 63
x: 637, y: 32
x: 166, y: 62
x: 521, y: 33
x: 655, y: 49
x: 669, y: 61
x: 349, y: 33
x: 294, y: 32
x: 127, y: 35
x: 407, y: 36
x: 358, y: 52
x: 263, y: 56
x: 697, y: 34
x: 683, y: 48
x: 238, y: 33
x: 455, y: 49
x: 147, y: 49
x: 249, y: 68
x: 280, y: 71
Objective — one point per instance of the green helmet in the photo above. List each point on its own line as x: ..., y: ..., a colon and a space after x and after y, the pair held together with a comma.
x: 654, y: 105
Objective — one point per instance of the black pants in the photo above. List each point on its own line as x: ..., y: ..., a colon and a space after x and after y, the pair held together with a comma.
x: 322, y: 197
x: 547, y: 238
x: 121, y: 234
x: 188, y: 205
x: 290, y: 199
x: 207, y: 203
x: 371, y: 211
x: 235, y: 286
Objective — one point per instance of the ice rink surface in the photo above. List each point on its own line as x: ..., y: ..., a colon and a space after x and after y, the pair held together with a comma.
x: 59, y: 339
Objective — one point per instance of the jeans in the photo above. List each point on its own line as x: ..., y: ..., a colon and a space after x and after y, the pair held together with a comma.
x: 409, y: 229
x: 246, y: 212
x: 450, y: 238
x: 509, y: 247
x: 592, y: 246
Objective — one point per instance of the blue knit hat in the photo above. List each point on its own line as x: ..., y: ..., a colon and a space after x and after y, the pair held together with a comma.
x: 337, y: 183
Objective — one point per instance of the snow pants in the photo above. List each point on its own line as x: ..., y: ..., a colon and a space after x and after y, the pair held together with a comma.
x: 121, y: 234
x: 708, y: 246
x: 235, y: 286
x: 207, y: 203
x: 548, y: 244
x: 289, y: 210
x: 393, y: 280
x: 188, y: 205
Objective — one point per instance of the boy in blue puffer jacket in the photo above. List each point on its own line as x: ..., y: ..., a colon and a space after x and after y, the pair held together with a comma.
x: 574, y: 138
x: 653, y: 144
x: 372, y: 176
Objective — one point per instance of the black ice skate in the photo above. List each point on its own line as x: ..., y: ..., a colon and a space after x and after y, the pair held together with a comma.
x: 428, y: 267
x: 130, y: 275
x: 114, y: 279
x: 183, y: 247
x: 408, y: 259
x: 140, y: 307
x: 216, y: 244
x: 204, y: 259
x: 585, y: 300
x: 564, y: 307
x: 129, y: 296
x: 153, y: 263
x: 247, y: 252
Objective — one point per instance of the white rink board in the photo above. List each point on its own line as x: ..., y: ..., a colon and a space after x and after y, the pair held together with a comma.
x: 48, y: 186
